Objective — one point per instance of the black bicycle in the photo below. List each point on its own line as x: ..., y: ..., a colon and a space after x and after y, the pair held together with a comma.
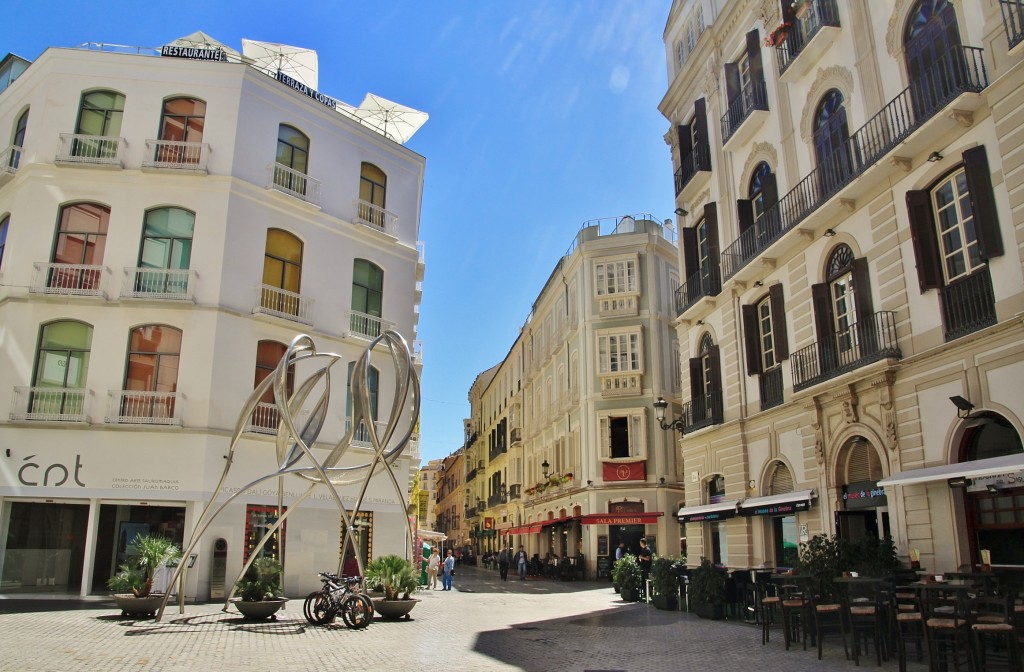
x: 339, y: 595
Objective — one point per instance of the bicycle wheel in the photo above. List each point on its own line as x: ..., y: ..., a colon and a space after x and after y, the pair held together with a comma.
x: 357, y: 611
x: 307, y: 606
x: 323, y: 609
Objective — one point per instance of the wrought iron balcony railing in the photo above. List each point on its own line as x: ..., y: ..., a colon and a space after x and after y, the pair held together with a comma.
x: 699, y: 159
x: 868, y: 340
x: 48, y: 404
x: 962, y: 70
x: 1013, y: 21
x: 294, y: 183
x: 515, y: 491
x: 158, y: 283
x: 471, y: 475
x: 770, y: 382
x: 702, y: 411
x: 705, y: 282
x: 91, y: 149
x: 135, y: 407
x: 754, y: 96
x: 968, y: 304
x: 822, y: 13
x: 176, y: 155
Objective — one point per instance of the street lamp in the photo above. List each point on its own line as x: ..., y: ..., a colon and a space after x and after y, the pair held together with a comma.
x: 544, y: 466
x: 660, y: 405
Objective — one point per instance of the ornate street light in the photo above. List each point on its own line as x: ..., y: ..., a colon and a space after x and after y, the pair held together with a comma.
x: 660, y: 405
x: 544, y: 468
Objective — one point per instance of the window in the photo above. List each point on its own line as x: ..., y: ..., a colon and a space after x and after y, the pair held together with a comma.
x: 372, y: 192
x: 766, y: 340
x: 367, y: 298
x: 843, y: 309
x: 268, y: 355
x: 99, y: 115
x: 154, y: 352
x: 701, y: 259
x: 182, y: 121
x: 832, y: 143
x: 620, y: 352
x: 5, y: 223
x: 842, y: 295
x: 259, y: 519
x: 18, y: 140
x: 744, y: 85
x: 615, y: 276
x: 623, y: 433
x: 373, y: 383
x: 166, y: 251
x: 62, y: 367
x: 293, y: 155
x: 282, y: 271
x: 958, y: 243
x: 763, y: 192
x: 705, y: 406
x: 932, y: 51
x: 78, y: 252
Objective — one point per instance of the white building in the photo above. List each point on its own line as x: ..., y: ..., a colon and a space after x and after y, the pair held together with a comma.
x: 167, y: 226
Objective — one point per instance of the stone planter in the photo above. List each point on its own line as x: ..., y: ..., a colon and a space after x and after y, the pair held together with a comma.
x: 259, y: 611
x: 714, y: 612
x: 138, y: 606
x: 665, y: 602
x: 629, y: 594
x: 394, y: 609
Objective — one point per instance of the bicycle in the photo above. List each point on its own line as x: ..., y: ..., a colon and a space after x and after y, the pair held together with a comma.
x: 339, y: 595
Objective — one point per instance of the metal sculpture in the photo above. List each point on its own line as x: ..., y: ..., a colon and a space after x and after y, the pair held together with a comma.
x: 296, y: 460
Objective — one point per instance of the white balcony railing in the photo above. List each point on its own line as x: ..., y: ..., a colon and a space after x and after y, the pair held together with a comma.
x: 135, y: 407
x: 294, y: 183
x: 176, y: 155
x: 362, y: 435
x: 158, y: 283
x: 67, y: 279
x: 284, y: 304
x: 48, y: 404
x: 265, y: 417
x: 10, y: 159
x: 376, y: 217
x: 362, y: 325
x: 619, y: 305
x: 622, y: 385
x: 76, y: 148
x: 417, y: 351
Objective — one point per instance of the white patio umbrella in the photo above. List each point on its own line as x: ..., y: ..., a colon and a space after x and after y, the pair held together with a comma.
x: 390, y: 119
x: 298, y: 63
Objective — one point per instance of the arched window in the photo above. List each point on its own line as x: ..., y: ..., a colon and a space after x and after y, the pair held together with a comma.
x: 268, y: 355
x: 763, y: 192
x: 18, y: 140
x: 832, y: 143
x: 282, y: 272
x: 77, y: 262
x: 292, y: 159
x: 842, y: 295
x: 705, y: 406
x: 933, y: 55
x: 151, y: 378
x: 784, y: 528
x: 166, y: 251
x: 372, y: 194
x: 62, y: 367
x: 99, y: 115
x: 182, y: 121
x: 367, y: 298
x: 847, y: 326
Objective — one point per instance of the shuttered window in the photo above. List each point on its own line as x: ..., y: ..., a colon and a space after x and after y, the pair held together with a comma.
x: 782, y: 481
x: 862, y: 463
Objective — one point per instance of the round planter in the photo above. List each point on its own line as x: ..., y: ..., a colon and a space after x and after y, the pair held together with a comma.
x: 258, y: 611
x: 394, y: 609
x: 629, y: 594
x: 138, y: 606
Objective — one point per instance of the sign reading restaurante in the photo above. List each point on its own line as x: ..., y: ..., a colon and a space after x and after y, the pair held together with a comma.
x: 194, y: 53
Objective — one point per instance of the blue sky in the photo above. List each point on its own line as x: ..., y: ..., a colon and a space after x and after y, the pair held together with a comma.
x: 543, y: 114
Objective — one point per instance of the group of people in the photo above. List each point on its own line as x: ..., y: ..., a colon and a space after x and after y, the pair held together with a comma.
x: 446, y: 567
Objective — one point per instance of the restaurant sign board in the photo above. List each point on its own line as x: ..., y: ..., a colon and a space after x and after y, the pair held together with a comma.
x: 193, y: 53
x: 707, y: 516
x: 863, y: 495
x: 306, y: 91
x: 779, y: 509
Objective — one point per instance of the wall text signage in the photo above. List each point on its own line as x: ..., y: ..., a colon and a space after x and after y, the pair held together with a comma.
x: 780, y: 509
x: 306, y: 91
x: 194, y: 53
x: 863, y: 495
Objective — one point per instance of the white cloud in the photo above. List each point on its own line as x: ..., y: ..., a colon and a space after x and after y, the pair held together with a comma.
x: 619, y: 79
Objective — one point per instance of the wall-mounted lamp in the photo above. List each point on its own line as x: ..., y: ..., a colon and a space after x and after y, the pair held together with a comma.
x: 660, y: 405
x: 700, y: 323
x: 963, y: 407
x: 589, y: 483
x: 750, y: 484
x: 992, y: 489
x: 682, y: 212
x: 544, y: 466
x: 958, y: 482
x: 758, y: 283
x: 934, y: 157
x: 661, y: 480
x: 829, y: 233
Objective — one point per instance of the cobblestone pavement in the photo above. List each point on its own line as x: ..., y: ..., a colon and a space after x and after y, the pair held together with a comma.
x: 484, y: 624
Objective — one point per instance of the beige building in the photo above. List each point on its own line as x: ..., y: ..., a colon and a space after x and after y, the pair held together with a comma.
x: 851, y: 227
x: 450, y: 497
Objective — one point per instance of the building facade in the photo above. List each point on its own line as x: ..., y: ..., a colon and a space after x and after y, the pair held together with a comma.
x: 451, y: 496
x: 167, y: 226
x: 850, y: 178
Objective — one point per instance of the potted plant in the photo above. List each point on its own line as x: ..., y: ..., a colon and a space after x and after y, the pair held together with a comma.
x: 259, y: 592
x: 396, y: 578
x: 626, y: 574
x: 133, y: 584
x: 870, y: 556
x: 819, y: 558
x: 707, y: 591
x: 664, y: 584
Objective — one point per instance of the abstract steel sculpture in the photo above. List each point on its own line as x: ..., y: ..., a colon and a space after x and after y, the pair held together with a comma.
x: 294, y: 457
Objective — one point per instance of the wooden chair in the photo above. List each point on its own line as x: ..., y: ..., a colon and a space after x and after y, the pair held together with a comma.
x: 768, y: 608
x: 993, y: 640
x: 945, y: 621
x: 865, y: 609
x: 828, y: 618
x: 906, y: 624
x: 794, y: 614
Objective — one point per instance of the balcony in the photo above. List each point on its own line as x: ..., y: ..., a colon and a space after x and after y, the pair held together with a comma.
x: 294, y: 183
x: 472, y: 512
x: 281, y: 303
x: 264, y: 419
x: 417, y: 351
x: 497, y: 451
x: 516, y: 435
x: 361, y: 437
x: 376, y: 218
x: 811, y: 36
x: 160, y: 284
x: 68, y: 279
x: 48, y: 404
x: 1013, y: 22
x: 471, y: 475
x: 704, y: 283
x: 961, y: 72
x: 515, y: 491
x: 369, y: 327
x: 495, y: 500
x: 868, y: 340
x: 770, y: 382
x: 176, y: 156
x: 698, y: 160
x: 76, y: 149
x: 622, y: 385
x: 10, y: 159
x: 968, y: 304
x: 702, y: 411
x: 619, y: 305
x: 752, y: 101
x: 135, y: 407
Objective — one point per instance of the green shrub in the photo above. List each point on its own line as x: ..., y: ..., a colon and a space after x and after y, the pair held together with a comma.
x: 663, y: 577
x: 146, y: 554
x: 626, y: 572
x: 262, y: 581
x: 394, y: 575
x: 707, y: 583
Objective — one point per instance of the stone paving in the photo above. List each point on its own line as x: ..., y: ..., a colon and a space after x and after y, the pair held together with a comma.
x: 484, y: 624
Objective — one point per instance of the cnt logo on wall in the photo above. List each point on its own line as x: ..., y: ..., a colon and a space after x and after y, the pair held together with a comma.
x: 38, y: 471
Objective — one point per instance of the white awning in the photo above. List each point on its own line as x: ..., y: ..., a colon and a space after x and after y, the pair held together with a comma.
x: 717, y: 511
x: 991, y: 466
x: 799, y: 500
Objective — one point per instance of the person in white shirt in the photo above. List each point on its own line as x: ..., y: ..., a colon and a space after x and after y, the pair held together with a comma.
x: 433, y: 564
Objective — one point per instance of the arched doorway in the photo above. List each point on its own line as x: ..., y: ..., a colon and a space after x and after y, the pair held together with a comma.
x: 863, y: 508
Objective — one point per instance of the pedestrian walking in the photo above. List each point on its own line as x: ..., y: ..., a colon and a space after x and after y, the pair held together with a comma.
x: 433, y: 564
x: 644, y: 560
x: 503, y: 563
x: 520, y: 559
x: 449, y: 570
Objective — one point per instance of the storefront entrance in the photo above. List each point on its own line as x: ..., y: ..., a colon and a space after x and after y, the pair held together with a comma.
x: 45, y: 547
x: 118, y: 526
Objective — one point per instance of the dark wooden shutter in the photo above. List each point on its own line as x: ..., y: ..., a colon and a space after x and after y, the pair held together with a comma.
x: 711, y: 218
x: 717, y: 396
x: 770, y: 189
x: 754, y: 54
x: 690, y: 261
x: 779, y: 330
x: 700, y: 121
x: 863, y: 303
x: 696, y: 378
x: 822, y: 303
x: 983, y: 203
x: 685, y: 143
x: 752, y: 339
x: 732, y: 82
x: 925, y: 239
x: 745, y: 212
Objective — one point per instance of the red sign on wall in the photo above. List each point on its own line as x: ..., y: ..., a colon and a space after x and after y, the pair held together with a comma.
x: 488, y: 523
x: 624, y: 471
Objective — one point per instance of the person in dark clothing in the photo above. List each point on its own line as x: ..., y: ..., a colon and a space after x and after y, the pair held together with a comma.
x: 503, y: 563
x: 644, y: 560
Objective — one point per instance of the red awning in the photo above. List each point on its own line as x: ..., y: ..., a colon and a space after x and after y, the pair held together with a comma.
x: 647, y: 518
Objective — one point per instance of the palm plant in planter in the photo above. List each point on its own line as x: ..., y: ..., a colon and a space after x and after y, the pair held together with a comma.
x: 664, y: 584
x: 133, y: 584
x: 626, y: 575
x: 397, y: 579
x: 259, y: 592
x: 707, y: 590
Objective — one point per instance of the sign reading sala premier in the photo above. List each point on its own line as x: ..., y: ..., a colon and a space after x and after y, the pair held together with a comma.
x: 193, y: 53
